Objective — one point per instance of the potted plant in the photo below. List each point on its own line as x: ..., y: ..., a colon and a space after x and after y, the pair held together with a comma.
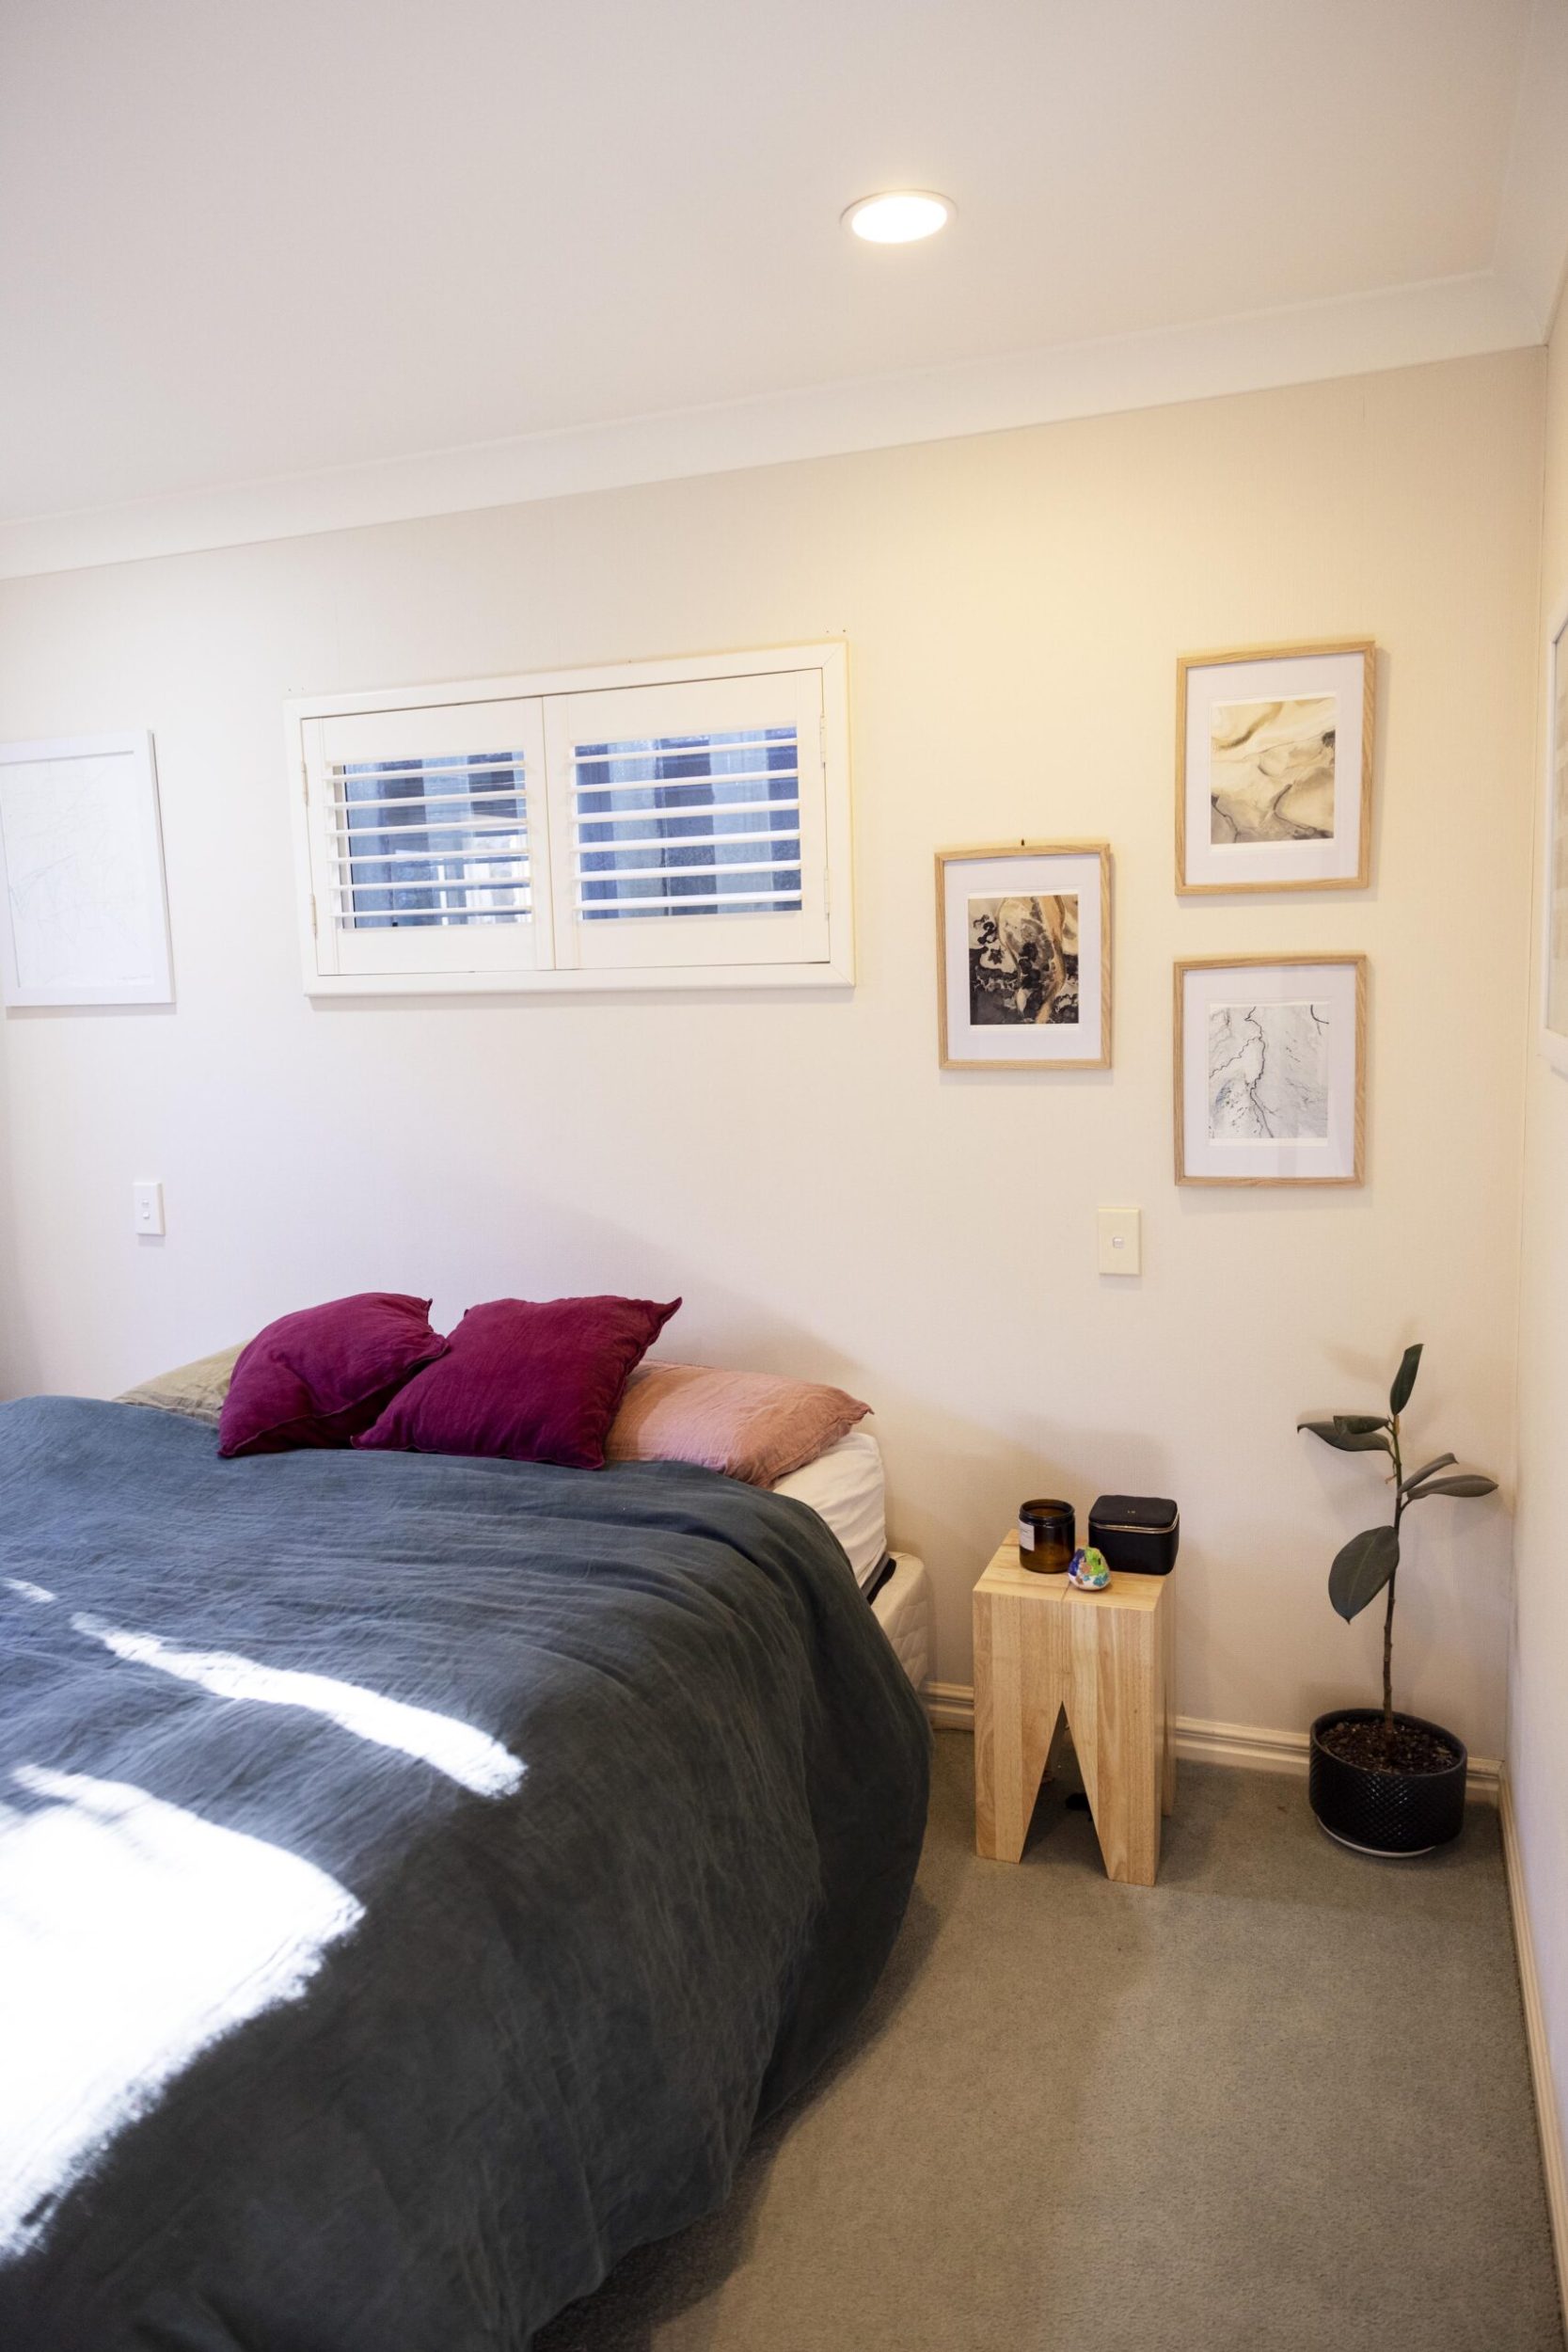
x: 1386, y: 1783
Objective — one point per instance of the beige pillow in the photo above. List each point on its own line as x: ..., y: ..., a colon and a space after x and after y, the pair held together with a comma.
x: 196, y: 1389
x: 752, y: 1426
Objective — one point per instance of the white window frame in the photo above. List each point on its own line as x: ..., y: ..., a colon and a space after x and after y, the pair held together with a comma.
x: 469, y: 963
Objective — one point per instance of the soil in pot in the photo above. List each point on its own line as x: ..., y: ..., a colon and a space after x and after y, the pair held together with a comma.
x: 1374, y: 1746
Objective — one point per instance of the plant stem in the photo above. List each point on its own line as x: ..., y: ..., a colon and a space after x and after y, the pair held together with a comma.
x: 1388, y: 1660
x: 1389, y: 1612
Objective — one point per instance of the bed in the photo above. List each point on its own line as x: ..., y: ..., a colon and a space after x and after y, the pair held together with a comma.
x: 416, y: 1876
x: 846, y: 1488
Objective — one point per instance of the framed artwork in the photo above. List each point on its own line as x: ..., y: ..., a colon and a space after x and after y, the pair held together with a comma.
x: 1554, y: 944
x: 1023, y: 957
x: 83, y: 915
x: 1270, y: 1069
x: 1274, y: 768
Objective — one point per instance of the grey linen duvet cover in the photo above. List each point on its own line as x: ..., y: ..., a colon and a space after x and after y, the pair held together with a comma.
x: 416, y: 1876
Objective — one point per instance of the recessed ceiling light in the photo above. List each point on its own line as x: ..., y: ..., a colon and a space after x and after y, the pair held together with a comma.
x: 899, y: 217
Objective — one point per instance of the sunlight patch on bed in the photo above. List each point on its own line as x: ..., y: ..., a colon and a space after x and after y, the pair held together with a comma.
x: 133, y: 1935
x: 464, y: 1754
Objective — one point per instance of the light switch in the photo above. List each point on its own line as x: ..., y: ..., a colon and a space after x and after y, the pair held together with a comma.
x: 1120, y: 1241
x: 147, y: 1213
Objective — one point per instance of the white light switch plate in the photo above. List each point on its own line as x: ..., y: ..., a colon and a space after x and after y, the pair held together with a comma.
x: 146, y: 1209
x: 1120, y: 1241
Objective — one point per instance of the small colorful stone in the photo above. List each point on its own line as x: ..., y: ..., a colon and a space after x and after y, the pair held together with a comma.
x: 1088, y: 1569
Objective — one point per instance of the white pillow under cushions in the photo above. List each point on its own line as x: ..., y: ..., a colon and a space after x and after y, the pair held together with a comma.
x: 196, y: 1389
x: 846, y: 1487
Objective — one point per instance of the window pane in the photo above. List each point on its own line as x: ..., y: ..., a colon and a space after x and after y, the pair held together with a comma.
x: 422, y: 844
x: 688, y: 824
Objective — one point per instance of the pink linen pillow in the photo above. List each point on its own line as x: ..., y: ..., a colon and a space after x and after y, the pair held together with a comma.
x: 529, y: 1380
x: 319, y: 1377
x: 752, y: 1426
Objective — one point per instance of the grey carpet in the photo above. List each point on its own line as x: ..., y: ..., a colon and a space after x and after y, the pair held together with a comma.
x: 1279, y: 2103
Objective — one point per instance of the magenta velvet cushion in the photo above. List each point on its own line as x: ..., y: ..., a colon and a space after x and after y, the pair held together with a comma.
x: 532, y: 1380
x: 323, y: 1374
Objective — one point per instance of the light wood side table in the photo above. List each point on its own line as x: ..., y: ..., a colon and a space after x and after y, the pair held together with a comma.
x: 1043, y: 1649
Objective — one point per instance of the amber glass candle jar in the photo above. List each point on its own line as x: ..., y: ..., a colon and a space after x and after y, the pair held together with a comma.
x: 1047, y: 1535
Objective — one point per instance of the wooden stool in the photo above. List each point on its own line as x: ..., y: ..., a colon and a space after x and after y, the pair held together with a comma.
x: 1042, y: 1649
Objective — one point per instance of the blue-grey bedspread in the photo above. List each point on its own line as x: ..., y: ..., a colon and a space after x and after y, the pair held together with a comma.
x: 416, y: 1876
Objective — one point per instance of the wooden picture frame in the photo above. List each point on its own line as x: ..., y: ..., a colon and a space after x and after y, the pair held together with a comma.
x: 83, y: 912
x: 1322, y: 1083
x: 1324, y: 760
x: 1021, y: 926
x: 1554, y: 859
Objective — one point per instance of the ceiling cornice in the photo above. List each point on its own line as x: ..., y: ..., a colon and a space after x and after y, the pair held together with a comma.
x: 1446, y: 319
x: 1531, y: 252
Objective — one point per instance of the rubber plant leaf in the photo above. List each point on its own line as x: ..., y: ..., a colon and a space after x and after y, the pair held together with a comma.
x: 1348, y: 1440
x: 1360, y: 1424
x: 1362, y: 1569
x: 1405, y: 1379
x: 1470, y: 1484
x: 1439, y: 1461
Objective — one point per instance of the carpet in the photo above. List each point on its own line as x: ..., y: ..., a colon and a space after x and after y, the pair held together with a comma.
x: 1278, y: 2103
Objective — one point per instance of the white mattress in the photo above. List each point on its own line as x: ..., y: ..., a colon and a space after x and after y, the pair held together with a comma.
x: 846, y: 1487
x: 903, y: 1610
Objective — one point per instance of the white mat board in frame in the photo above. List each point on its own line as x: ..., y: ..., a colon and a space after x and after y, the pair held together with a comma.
x: 1270, y: 1069
x: 83, y: 916
x: 1023, y: 956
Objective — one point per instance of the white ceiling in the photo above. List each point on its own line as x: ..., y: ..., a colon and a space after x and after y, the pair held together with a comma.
x: 368, y: 259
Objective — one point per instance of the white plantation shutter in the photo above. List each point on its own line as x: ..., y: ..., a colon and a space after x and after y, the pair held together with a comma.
x: 702, y: 823
x: 689, y: 823
x: 677, y: 824
x: 425, y: 855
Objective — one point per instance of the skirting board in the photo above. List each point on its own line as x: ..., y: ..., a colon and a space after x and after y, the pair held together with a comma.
x: 1552, y: 2163
x: 951, y: 1707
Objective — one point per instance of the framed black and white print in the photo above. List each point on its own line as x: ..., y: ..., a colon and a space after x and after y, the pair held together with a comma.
x: 1554, y: 942
x: 1274, y: 768
x: 1270, y: 1069
x: 1023, y: 957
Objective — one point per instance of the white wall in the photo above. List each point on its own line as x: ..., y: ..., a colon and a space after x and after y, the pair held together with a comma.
x: 825, y: 1199
x: 1538, y: 1683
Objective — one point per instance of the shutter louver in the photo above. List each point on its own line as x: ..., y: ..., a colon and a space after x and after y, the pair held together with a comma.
x: 420, y: 843
x: 687, y: 825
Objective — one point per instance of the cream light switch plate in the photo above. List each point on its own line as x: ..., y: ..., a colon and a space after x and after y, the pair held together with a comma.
x: 1120, y: 1241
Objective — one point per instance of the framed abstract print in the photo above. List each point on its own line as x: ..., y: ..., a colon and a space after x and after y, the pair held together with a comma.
x: 1554, y: 943
x: 1023, y: 957
x: 84, y: 919
x: 1274, y: 768
x: 1270, y: 1069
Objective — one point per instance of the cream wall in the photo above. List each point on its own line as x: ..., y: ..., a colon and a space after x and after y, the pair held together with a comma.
x: 1538, y: 1693
x: 827, y: 1200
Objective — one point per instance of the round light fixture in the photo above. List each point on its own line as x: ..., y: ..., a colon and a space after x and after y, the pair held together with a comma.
x: 900, y: 217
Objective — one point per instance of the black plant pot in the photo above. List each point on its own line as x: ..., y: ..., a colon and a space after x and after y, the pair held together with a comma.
x: 1386, y: 1813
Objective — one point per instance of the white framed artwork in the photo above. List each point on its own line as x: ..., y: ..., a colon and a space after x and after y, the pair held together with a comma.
x: 1554, y: 927
x: 1274, y: 768
x: 1023, y: 957
x: 1270, y: 1069
x: 84, y: 918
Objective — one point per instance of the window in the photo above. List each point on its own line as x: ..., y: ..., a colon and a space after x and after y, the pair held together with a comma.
x: 677, y: 824
x: 422, y: 841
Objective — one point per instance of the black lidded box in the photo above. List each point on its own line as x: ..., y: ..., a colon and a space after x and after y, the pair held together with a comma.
x: 1138, y: 1533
